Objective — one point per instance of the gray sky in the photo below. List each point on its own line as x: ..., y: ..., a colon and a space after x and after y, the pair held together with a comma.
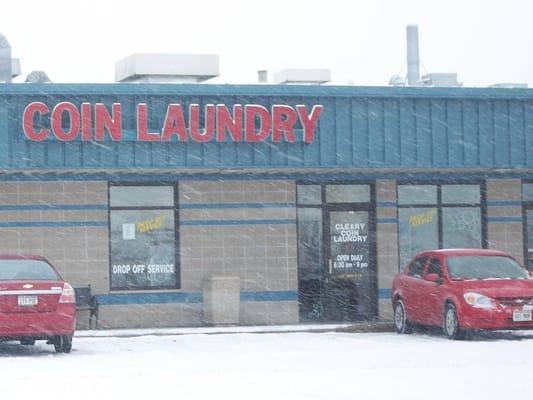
x: 363, y: 43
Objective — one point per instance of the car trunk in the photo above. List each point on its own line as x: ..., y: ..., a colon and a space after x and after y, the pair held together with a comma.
x: 29, y: 296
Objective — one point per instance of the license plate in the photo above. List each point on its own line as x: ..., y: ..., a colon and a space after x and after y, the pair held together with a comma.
x: 26, y: 301
x: 520, y: 316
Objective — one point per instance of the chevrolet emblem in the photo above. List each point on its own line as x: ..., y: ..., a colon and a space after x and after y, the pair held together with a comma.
x: 27, y: 286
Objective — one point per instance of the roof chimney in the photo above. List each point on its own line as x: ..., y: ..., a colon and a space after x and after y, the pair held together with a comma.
x: 413, y: 61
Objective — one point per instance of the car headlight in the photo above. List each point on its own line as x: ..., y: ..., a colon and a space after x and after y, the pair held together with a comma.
x: 478, y: 300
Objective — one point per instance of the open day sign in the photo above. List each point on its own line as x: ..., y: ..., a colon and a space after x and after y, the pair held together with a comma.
x: 249, y: 123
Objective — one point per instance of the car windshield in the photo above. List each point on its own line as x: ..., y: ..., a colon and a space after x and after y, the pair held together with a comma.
x: 484, y: 267
x: 14, y: 270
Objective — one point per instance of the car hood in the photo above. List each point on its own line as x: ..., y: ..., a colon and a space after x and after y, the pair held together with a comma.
x: 499, y: 287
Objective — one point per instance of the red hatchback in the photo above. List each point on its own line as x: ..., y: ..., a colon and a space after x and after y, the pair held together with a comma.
x: 462, y: 289
x: 35, y: 303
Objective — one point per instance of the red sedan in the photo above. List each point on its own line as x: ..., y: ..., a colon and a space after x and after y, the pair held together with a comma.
x: 463, y: 289
x: 35, y: 303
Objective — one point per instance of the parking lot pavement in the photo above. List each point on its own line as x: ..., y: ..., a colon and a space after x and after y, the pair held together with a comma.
x: 296, y: 365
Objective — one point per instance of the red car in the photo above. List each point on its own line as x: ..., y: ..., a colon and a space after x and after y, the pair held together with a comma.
x: 461, y: 290
x: 35, y: 303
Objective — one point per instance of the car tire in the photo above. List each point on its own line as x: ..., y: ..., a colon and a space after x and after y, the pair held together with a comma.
x: 63, y: 344
x: 401, y: 323
x: 450, y: 323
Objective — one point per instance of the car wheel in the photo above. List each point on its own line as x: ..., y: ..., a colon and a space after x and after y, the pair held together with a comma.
x: 27, y: 341
x: 450, y: 326
x: 63, y: 344
x: 401, y: 323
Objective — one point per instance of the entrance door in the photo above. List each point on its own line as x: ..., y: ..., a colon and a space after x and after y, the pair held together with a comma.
x: 349, y: 289
x: 336, y: 252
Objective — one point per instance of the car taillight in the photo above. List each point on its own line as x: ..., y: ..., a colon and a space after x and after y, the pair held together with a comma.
x: 68, y: 295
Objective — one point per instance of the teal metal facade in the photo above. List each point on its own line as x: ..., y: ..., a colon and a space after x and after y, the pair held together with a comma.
x: 360, y: 127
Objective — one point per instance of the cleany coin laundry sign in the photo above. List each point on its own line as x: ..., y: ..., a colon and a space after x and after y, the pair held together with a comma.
x: 249, y: 123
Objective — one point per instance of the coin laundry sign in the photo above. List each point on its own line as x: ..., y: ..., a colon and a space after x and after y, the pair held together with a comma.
x: 249, y: 123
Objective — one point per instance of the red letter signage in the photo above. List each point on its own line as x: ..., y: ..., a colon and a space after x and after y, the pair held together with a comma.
x: 248, y: 123
x: 27, y: 121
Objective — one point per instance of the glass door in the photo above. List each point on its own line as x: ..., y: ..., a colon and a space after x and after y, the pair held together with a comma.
x: 337, y: 279
x: 348, y: 288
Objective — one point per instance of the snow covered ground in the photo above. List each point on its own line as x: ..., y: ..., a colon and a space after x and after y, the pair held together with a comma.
x: 299, y: 365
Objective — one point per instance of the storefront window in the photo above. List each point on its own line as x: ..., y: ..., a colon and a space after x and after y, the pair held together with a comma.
x: 309, y: 194
x: 450, y: 218
x: 348, y: 193
x: 527, y: 197
x: 141, y: 196
x: 527, y: 191
x: 419, y: 231
x: 529, y: 252
x: 417, y: 194
x: 310, y: 243
x: 461, y: 227
x: 143, y: 254
x: 461, y: 194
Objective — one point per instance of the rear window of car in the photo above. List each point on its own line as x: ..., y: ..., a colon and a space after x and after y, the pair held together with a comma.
x: 14, y: 270
x: 484, y: 267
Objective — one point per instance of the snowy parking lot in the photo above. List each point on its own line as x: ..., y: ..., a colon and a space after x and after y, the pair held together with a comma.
x: 298, y: 365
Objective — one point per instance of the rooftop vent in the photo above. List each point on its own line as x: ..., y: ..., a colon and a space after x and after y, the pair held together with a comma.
x: 37, y: 77
x: 303, y: 76
x: 509, y: 85
x: 440, y: 79
x: 167, y: 68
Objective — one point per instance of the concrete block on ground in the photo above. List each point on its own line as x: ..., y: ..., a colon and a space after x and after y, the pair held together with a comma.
x: 221, y: 299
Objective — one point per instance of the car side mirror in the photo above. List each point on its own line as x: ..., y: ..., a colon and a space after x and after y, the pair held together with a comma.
x: 433, y: 278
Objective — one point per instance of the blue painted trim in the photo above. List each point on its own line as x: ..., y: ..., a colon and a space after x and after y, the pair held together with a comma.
x: 504, y: 220
x: 503, y: 203
x: 387, y: 220
x: 236, y: 205
x: 281, y: 295
x: 265, y: 90
x: 29, y: 207
x: 384, y: 293
x: 386, y: 204
x: 208, y: 222
x: 326, y: 175
x: 52, y: 224
x: 189, y: 298
x: 148, y: 298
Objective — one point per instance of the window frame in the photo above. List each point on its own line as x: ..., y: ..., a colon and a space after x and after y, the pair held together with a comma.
x: 174, y: 208
x: 439, y: 205
x: 527, y: 205
x: 431, y: 263
x: 326, y: 207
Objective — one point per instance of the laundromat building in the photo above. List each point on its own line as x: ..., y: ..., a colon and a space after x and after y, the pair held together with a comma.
x: 303, y: 201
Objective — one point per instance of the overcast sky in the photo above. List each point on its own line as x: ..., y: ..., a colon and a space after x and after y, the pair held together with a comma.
x: 363, y: 43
